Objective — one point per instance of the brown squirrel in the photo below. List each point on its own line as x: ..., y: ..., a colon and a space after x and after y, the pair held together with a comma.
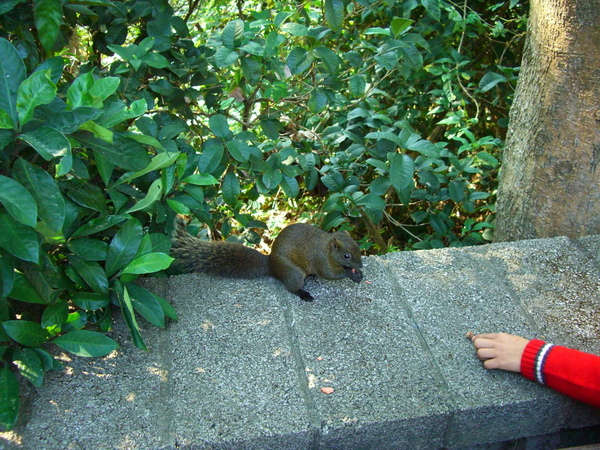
x: 299, y: 250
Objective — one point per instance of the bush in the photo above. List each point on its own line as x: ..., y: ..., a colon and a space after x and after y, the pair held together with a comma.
x: 385, y: 118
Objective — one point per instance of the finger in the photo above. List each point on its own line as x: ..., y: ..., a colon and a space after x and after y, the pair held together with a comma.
x: 486, y: 336
x: 486, y: 353
x: 481, y: 342
x: 491, y: 364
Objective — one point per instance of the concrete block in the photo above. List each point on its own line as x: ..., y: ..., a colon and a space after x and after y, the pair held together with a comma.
x: 234, y: 380
x: 360, y: 341
x: 450, y: 292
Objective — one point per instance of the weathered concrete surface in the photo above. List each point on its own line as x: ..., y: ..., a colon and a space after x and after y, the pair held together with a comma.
x: 244, y: 366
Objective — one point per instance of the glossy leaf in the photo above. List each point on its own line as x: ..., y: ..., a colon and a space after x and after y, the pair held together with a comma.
x: 92, y: 273
x: 148, y: 263
x: 55, y: 314
x: 86, y: 343
x: 147, y: 305
x: 231, y: 188
x: 89, y: 249
x: 48, y: 17
x: 219, y: 126
x: 154, y: 192
x: 30, y: 366
x: 123, y: 152
x: 401, y: 171
x: 14, y: 197
x: 12, y: 74
x: 334, y: 14
x: 123, y: 246
x: 129, y: 315
x: 91, y: 301
x: 19, y: 240
x: 9, y: 393
x: 45, y: 191
x: 27, y: 333
x: 36, y: 90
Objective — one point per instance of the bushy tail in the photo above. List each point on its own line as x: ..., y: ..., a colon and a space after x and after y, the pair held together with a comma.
x: 220, y: 258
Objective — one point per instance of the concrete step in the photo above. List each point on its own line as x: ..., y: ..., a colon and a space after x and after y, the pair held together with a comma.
x: 244, y: 366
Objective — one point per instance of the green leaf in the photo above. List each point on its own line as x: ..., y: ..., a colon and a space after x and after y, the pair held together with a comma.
x: 100, y: 224
x: 456, y: 189
x: 55, y: 314
x: 219, y: 126
x: 36, y: 90
x: 400, y: 25
x: 387, y: 135
x: 433, y: 8
x: 7, y: 277
x: 357, y: 85
x: 129, y: 315
x: 225, y: 57
x: 295, y: 29
x: 89, y: 249
x: 232, y: 33
x: 490, y: 80
x: 156, y: 60
x: 147, y: 304
x: 239, y: 150
x: 23, y: 290
x: 299, y: 60
x: 334, y: 14
x: 333, y: 180
x: 78, y: 92
x: 86, y: 343
x: 91, y: 272
x: 9, y: 395
x: 272, y: 177
x: 48, y: 142
x: 124, y: 152
x: 30, y: 365
x: 117, y: 112
x: 401, y: 171
x: 12, y: 74
x: 45, y: 191
x: 290, y: 186
x: 148, y: 263
x: 231, y: 188
x: 29, y: 334
x: 18, y: 201
x: 200, y: 179
x: 212, y: 154
x: 330, y: 60
x: 69, y: 121
x: 154, y: 192
x: 91, y: 301
x: 318, y: 101
x: 178, y: 207
x: 47, y: 15
x: 123, y: 247
x: 19, y: 240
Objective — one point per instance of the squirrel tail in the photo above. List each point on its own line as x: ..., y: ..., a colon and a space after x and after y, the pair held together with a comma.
x: 220, y: 258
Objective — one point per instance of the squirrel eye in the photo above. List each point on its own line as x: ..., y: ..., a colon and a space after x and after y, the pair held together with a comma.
x: 347, y: 256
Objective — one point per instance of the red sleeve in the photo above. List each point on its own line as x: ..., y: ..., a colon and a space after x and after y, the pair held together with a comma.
x: 574, y: 373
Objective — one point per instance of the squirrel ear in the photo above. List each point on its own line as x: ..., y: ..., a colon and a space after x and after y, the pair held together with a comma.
x: 335, y: 243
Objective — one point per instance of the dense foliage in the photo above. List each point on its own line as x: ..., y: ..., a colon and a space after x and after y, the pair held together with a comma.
x: 385, y: 118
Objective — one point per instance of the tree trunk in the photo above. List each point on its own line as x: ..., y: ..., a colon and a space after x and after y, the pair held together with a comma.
x: 550, y: 181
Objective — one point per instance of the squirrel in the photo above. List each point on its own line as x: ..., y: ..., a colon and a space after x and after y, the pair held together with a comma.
x: 299, y: 250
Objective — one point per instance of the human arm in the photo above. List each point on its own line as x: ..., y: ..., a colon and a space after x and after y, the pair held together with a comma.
x: 569, y: 371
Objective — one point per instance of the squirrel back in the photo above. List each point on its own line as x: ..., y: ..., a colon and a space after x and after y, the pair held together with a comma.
x: 299, y: 250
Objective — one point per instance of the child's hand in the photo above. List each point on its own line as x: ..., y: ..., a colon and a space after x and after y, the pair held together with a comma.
x: 500, y: 350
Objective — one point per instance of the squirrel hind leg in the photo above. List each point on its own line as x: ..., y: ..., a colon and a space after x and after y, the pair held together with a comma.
x: 304, y: 295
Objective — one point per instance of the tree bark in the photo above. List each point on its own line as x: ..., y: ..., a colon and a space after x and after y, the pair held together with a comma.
x: 550, y: 180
